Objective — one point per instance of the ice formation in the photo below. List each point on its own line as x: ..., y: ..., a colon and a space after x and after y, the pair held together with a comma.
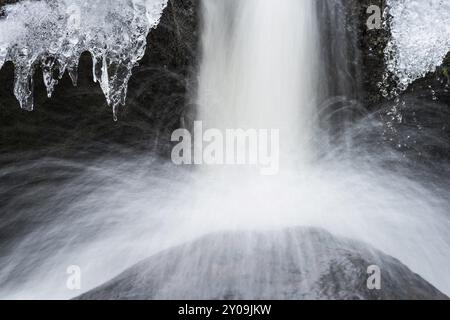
x: 420, y: 38
x: 53, y: 34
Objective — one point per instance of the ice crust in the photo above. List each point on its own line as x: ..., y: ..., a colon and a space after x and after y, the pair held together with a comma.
x: 420, y: 38
x: 54, y: 33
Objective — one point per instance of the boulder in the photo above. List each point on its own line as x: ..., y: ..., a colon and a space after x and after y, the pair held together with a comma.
x: 297, y: 263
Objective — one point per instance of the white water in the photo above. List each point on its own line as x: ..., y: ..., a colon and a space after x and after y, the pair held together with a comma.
x: 260, y: 69
x: 258, y: 65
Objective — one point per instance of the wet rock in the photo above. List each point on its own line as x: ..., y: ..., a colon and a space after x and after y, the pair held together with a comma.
x: 298, y: 263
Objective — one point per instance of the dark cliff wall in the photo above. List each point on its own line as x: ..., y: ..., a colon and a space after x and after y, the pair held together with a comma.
x: 417, y: 121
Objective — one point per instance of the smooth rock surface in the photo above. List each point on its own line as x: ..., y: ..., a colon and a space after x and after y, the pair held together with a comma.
x: 298, y: 263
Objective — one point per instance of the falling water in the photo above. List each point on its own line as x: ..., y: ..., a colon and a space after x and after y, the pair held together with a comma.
x: 261, y: 69
x: 260, y: 61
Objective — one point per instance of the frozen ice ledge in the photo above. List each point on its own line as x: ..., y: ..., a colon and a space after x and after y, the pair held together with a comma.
x: 54, y: 34
x: 420, y: 38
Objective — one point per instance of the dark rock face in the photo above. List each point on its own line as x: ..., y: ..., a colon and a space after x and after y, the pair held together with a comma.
x: 289, y: 264
x: 415, y: 123
x: 78, y: 120
x: 371, y: 45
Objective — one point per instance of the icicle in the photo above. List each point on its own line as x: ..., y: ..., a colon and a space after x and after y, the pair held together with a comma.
x: 104, y: 80
x: 48, y: 69
x: 23, y: 86
x: 73, y: 72
x: 3, y: 53
x: 53, y: 34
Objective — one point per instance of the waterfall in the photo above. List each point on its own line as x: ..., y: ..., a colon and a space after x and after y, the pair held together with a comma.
x: 265, y: 65
x: 259, y: 67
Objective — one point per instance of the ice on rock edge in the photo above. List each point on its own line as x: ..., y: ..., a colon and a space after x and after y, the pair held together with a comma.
x: 420, y: 38
x: 53, y: 34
